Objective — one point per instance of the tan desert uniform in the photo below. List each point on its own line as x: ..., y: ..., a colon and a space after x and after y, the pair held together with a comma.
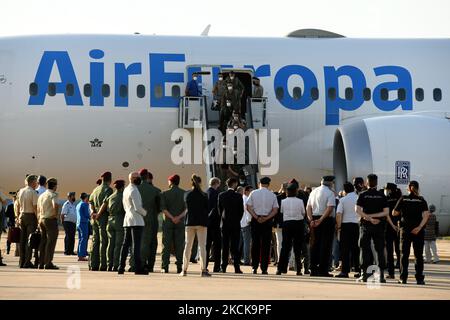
x: 27, y: 199
x: 48, y: 222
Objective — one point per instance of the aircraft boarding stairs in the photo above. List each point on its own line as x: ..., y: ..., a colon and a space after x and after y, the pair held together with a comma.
x: 195, y: 111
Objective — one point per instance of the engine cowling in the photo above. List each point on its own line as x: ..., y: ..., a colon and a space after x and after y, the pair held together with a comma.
x: 375, y: 145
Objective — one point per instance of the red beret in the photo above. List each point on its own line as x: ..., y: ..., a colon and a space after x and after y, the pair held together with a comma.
x: 106, y: 174
x: 119, y: 184
x: 174, y: 178
x: 143, y: 172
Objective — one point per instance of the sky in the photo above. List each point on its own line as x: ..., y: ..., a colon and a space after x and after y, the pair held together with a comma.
x: 275, y: 18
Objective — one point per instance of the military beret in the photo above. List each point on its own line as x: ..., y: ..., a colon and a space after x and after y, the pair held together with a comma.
x: 106, y: 174
x: 143, y: 172
x: 292, y: 186
x: 119, y: 184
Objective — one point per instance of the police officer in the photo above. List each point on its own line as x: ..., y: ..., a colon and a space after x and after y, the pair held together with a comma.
x: 231, y: 101
x: 219, y: 90
x: 413, y: 212
x: 174, y: 208
x: 236, y: 122
x: 151, y: 202
x: 393, y: 194
x: 114, y: 206
x: 373, y: 208
x: 98, y: 196
x: 320, y: 209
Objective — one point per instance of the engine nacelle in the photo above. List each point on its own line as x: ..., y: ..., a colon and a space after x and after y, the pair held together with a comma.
x: 376, y: 144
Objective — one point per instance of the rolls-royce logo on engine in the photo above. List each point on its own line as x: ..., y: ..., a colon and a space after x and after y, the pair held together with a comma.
x: 402, y: 172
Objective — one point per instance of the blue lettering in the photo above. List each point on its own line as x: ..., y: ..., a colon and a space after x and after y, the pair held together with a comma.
x: 404, y: 81
x: 97, y: 78
x: 66, y: 73
x: 158, y: 77
x: 333, y: 106
x: 281, y: 81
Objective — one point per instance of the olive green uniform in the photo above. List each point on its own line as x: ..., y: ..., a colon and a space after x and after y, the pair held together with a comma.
x: 151, y: 199
x: 115, y: 228
x: 172, y: 200
x: 237, y: 84
x: 219, y: 90
x: 97, y: 258
x: 226, y: 111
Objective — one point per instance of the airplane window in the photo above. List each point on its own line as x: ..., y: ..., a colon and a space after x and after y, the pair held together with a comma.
x: 123, y: 91
x: 176, y: 92
x: 332, y: 93
x: 297, y: 93
x: 401, y: 94
x: 279, y: 93
x: 367, y: 94
x: 70, y: 89
x: 87, y: 90
x: 348, y: 93
x: 315, y: 93
x: 33, y: 89
x: 51, y: 89
x: 384, y: 93
x: 158, y: 91
x: 105, y: 90
x: 419, y: 94
x: 140, y: 91
x: 437, y: 94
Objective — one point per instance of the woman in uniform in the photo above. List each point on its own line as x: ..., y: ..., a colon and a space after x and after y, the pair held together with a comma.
x: 413, y: 212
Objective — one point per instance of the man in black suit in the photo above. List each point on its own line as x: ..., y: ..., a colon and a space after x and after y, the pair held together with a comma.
x: 214, y: 237
x: 231, y: 209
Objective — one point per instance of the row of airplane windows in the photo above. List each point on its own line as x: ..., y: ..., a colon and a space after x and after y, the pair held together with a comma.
x: 279, y: 92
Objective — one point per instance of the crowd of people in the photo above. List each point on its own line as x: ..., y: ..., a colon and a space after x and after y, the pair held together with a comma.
x: 310, y: 231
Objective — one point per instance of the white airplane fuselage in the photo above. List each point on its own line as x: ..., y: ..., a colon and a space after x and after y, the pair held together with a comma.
x: 55, y: 135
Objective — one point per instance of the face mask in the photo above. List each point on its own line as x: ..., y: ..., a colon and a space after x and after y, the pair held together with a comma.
x: 231, y: 77
x: 137, y: 181
x: 195, y: 78
x: 220, y: 78
x: 228, y: 104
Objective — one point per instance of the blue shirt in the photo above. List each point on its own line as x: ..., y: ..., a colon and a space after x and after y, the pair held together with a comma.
x: 193, y: 89
x: 83, y: 214
x: 69, y: 212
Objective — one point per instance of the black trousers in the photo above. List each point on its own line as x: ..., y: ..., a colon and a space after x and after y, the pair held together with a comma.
x: 392, y: 244
x: 293, y: 234
x: 261, y: 237
x: 349, y: 246
x: 230, y: 242
x: 406, y: 238
x: 321, y: 243
x: 214, y: 239
x: 69, y: 240
x: 376, y: 233
x: 133, y: 237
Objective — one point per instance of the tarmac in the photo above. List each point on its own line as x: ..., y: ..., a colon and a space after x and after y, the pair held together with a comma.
x: 74, y: 282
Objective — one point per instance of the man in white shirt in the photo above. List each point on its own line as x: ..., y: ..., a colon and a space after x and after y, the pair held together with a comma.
x: 133, y: 224
x: 42, y: 185
x: 347, y: 224
x: 262, y: 204
x: 320, y: 209
x: 246, y: 232
x: 69, y: 221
